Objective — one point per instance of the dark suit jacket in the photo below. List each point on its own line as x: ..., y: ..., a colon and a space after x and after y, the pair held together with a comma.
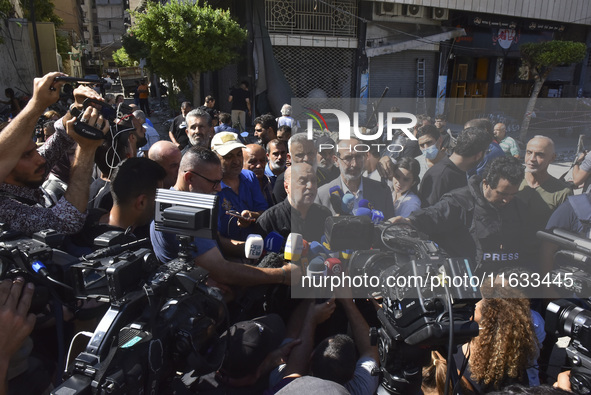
x: 378, y: 194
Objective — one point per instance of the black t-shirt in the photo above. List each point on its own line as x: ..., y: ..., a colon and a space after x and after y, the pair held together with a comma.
x: 178, y: 128
x: 443, y: 177
x: 284, y: 219
x: 100, y: 195
x: 239, y: 97
x: 325, y: 176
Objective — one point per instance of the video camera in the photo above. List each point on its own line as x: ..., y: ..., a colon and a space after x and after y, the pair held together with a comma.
x: 572, y: 260
x: 162, y: 320
x: 423, y: 308
x: 564, y: 318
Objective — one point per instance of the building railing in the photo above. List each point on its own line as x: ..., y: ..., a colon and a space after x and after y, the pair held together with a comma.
x: 329, y: 17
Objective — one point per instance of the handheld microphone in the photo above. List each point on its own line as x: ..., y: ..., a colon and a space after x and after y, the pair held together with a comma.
x: 365, y: 203
x: 362, y: 211
x: 253, y: 248
x: 336, y: 195
x: 274, y: 242
x: 318, y: 249
x: 348, y: 203
x: 316, y: 268
x: 377, y: 216
x: 294, y: 247
x: 334, y: 266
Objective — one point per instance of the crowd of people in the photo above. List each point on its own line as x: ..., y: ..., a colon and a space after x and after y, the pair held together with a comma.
x: 469, y: 193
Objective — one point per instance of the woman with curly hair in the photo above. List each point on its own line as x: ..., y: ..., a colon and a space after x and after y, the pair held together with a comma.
x: 506, y: 344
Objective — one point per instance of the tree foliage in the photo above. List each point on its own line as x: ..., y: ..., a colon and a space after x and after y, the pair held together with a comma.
x: 541, y: 59
x: 135, y: 49
x: 188, y: 38
x: 122, y: 58
x: 43, y: 11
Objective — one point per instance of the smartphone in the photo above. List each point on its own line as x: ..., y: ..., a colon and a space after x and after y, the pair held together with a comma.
x: 236, y: 214
x: 76, y: 79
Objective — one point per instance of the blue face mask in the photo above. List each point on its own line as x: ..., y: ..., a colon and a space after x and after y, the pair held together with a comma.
x: 431, y: 152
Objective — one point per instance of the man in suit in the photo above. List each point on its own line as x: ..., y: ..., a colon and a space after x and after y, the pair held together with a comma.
x: 351, y: 165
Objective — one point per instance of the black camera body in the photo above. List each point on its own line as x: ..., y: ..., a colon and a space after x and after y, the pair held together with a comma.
x: 161, y: 320
x: 564, y: 318
x: 422, y: 307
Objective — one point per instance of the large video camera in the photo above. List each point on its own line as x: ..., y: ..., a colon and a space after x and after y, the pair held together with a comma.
x: 564, y: 318
x: 163, y: 322
x: 423, y: 308
x: 572, y: 260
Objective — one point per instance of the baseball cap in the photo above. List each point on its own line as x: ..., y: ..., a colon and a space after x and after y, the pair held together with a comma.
x: 224, y: 142
x: 249, y: 343
x: 313, y: 385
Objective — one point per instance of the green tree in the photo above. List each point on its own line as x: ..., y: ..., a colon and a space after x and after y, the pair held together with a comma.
x: 122, y: 58
x: 541, y: 58
x: 188, y: 39
x: 43, y: 11
x: 136, y: 50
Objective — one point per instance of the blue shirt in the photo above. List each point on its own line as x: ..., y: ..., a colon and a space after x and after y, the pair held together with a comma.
x: 225, y: 128
x: 269, y: 173
x: 250, y: 198
x: 494, y: 151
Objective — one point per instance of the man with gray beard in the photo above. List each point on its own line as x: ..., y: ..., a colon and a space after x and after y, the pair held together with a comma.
x: 351, y: 164
x: 276, y: 159
x: 199, y: 130
x: 542, y: 192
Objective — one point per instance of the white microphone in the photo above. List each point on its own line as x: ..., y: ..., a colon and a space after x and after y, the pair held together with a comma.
x: 293, y: 247
x: 253, y: 247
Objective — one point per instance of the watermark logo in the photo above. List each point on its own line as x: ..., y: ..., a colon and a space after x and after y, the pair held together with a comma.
x: 387, y: 122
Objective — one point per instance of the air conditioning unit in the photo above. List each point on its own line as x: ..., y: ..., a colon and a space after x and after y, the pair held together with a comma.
x: 388, y: 9
x: 415, y: 11
x: 440, y: 14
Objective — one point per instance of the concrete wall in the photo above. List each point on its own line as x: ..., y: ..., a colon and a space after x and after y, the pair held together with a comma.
x: 47, y: 46
x: 17, y: 60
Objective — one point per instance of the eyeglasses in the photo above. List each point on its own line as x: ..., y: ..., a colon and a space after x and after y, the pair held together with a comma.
x: 214, y: 182
x: 358, y: 158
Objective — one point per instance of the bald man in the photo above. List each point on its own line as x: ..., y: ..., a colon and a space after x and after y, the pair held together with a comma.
x: 255, y: 160
x: 167, y: 155
x: 298, y: 213
x: 542, y: 192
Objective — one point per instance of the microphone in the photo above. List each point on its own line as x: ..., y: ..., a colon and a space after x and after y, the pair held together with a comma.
x: 318, y: 249
x: 274, y: 242
x: 334, y: 266
x: 362, y: 211
x: 336, y: 195
x: 253, y: 248
x: 365, y: 203
x: 294, y: 247
x: 348, y: 203
x: 316, y: 268
x: 377, y: 216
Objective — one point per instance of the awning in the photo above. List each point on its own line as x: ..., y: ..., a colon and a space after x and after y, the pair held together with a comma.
x: 414, y: 43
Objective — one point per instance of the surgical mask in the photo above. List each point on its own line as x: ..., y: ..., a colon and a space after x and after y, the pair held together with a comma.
x: 431, y: 152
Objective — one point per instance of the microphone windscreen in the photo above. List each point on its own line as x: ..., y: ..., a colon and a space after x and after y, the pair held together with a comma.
x: 274, y: 242
x: 253, y: 247
x: 293, y: 247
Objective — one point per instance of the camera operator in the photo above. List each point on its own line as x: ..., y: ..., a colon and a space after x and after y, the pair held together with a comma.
x: 22, y: 202
x: 15, y: 324
x: 133, y: 189
x: 481, y: 220
x: 201, y: 172
x: 15, y: 137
